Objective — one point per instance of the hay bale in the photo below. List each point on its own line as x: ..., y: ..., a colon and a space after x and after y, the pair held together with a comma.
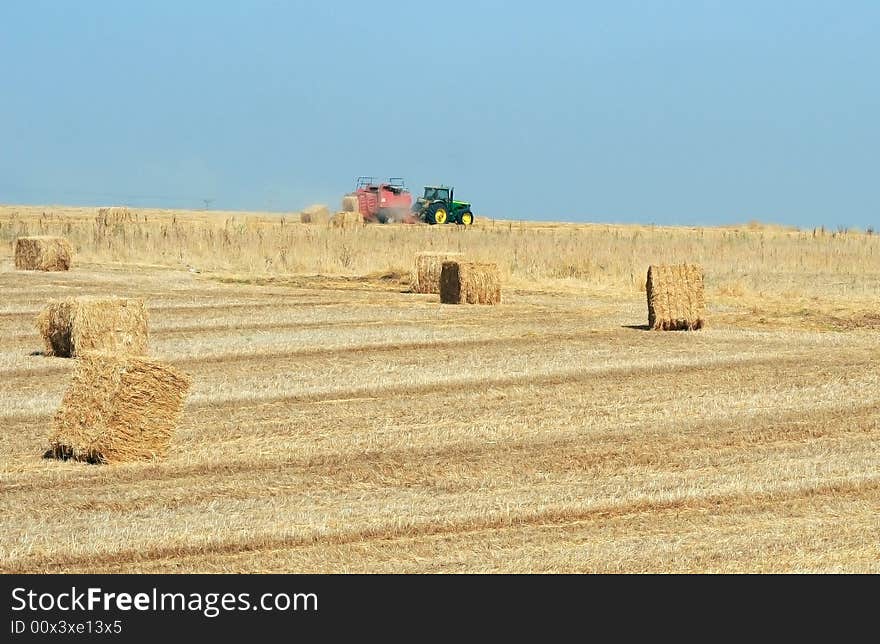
x: 347, y: 220
x: 316, y: 214
x: 75, y: 325
x: 675, y: 297
x: 43, y: 253
x: 428, y: 268
x: 113, y: 215
x: 117, y: 409
x: 470, y: 283
x: 350, y: 203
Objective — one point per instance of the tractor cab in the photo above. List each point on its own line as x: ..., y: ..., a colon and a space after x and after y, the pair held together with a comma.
x: 433, y: 193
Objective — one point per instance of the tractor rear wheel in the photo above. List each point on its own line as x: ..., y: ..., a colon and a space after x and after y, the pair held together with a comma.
x: 466, y: 218
x: 437, y: 214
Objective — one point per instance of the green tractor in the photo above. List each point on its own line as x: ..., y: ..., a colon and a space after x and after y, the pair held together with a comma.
x: 438, y: 206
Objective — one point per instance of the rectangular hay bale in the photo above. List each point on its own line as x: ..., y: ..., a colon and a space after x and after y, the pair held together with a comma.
x: 316, y: 214
x: 118, y: 409
x: 350, y: 203
x: 347, y: 220
x: 75, y: 325
x: 43, y: 253
x: 470, y: 283
x: 428, y: 268
x: 116, y: 215
x: 676, y: 299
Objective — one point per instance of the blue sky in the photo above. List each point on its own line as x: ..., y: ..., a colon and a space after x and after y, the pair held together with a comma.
x: 672, y: 112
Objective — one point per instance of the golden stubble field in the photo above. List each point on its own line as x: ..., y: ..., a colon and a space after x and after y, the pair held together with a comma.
x: 340, y: 423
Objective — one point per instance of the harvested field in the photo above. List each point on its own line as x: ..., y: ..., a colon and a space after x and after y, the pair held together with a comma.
x: 342, y: 423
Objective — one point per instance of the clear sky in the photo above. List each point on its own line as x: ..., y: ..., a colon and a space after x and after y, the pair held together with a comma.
x: 680, y: 112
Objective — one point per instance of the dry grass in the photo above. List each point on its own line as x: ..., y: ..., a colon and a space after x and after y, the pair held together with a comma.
x: 762, y: 265
x: 344, y: 424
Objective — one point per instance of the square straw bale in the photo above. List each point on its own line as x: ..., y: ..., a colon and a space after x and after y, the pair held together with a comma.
x: 73, y: 326
x: 115, y: 215
x: 316, y: 214
x: 347, y: 220
x: 43, y: 253
x: 470, y: 283
x: 350, y: 203
x: 428, y: 269
x: 676, y: 299
x: 118, y: 409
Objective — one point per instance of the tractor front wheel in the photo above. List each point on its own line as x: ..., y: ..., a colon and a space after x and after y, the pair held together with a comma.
x: 466, y: 218
x: 437, y: 215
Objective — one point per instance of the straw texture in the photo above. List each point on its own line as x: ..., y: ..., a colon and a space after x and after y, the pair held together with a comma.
x: 470, y: 283
x: 350, y: 203
x: 676, y: 298
x: 118, y: 409
x: 347, y: 220
x: 428, y: 269
x: 43, y: 253
x: 316, y: 214
x: 73, y: 326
